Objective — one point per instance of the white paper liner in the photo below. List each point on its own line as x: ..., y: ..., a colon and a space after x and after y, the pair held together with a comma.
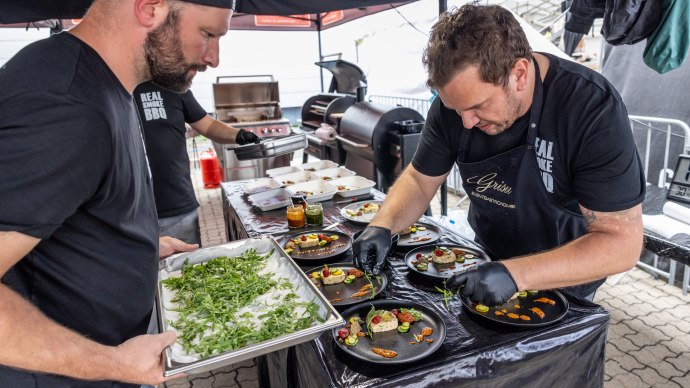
x: 276, y: 264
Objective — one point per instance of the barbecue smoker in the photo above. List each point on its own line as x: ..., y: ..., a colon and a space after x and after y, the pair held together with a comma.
x: 253, y: 103
x: 328, y: 108
x: 379, y: 140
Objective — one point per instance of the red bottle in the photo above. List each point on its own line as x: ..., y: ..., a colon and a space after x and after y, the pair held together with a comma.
x: 210, y: 169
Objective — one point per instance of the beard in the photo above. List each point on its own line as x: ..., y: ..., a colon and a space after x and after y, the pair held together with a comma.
x: 167, y: 65
x: 511, y: 113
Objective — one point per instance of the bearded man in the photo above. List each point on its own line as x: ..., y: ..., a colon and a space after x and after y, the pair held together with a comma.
x: 78, y: 228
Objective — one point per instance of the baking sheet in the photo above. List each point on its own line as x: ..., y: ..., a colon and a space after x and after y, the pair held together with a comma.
x: 177, y: 361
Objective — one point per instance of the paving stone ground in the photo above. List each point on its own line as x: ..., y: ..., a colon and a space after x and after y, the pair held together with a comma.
x: 648, y: 337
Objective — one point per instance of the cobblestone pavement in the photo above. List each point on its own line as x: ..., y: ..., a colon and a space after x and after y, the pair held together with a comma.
x: 648, y: 338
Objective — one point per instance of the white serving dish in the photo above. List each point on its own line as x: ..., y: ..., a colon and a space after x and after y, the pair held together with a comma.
x: 271, y: 199
x: 320, y: 165
x: 260, y: 185
x: 314, y: 191
x: 355, y: 185
x: 273, y: 172
x: 295, y: 177
x: 334, y: 173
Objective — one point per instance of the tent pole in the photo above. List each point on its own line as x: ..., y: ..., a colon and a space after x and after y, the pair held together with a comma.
x: 318, y: 30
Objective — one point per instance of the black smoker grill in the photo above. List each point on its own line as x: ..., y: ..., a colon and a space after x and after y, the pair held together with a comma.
x: 348, y: 79
x: 379, y: 140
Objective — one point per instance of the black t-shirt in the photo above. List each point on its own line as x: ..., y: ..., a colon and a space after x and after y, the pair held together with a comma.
x: 584, y: 144
x: 163, y: 114
x: 74, y: 174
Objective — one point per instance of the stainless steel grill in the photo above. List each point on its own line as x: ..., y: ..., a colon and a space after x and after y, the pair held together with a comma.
x: 252, y: 103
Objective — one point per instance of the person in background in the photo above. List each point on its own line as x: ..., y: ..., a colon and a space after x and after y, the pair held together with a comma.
x: 163, y: 114
x: 546, y: 155
x: 78, y: 229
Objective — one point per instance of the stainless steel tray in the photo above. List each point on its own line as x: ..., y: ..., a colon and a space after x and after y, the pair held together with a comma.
x: 174, y: 363
x: 272, y: 147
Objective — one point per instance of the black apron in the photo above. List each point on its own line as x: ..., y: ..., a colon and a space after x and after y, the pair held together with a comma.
x: 511, y: 212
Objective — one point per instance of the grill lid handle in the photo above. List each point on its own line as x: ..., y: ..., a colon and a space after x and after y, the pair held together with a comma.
x: 350, y: 142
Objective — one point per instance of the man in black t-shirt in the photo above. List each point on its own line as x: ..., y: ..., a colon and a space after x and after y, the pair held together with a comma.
x: 78, y: 234
x: 163, y: 114
x: 546, y: 155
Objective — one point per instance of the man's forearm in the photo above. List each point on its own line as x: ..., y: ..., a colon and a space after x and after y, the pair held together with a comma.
x: 222, y: 133
x: 610, y: 247
x: 407, y: 200
x: 31, y: 341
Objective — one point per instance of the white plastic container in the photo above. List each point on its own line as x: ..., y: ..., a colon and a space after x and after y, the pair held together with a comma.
x: 351, y: 186
x: 320, y: 165
x: 273, y: 172
x: 270, y: 200
x: 334, y: 173
x: 260, y: 185
x: 296, y: 177
x: 314, y: 191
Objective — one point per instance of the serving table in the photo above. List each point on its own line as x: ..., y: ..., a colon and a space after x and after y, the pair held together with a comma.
x: 569, y: 353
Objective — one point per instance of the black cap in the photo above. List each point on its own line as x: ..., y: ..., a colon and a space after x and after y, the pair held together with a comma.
x: 230, y: 4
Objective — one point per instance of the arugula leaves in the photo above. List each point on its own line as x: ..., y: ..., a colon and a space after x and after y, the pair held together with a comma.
x: 210, y: 296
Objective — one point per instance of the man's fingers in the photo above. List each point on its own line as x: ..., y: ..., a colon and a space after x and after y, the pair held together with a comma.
x: 456, y: 281
x: 380, y: 262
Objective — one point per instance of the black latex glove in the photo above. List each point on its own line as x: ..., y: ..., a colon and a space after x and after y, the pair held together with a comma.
x: 245, y: 137
x: 489, y: 284
x: 371, y: 248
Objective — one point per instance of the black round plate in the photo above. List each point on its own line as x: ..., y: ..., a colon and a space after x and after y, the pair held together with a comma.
x: 392, y: 340
x: 318, y: 255
x: 343, y: 291
x: 443, y: 271
x: 552, y: 313
x: 419, y: 238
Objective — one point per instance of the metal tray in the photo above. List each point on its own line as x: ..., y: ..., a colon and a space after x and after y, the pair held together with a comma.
x: 175, y: 363
x: 272, y: 147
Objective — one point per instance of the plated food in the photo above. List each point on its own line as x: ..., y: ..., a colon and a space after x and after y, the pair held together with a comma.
x: 352, y: 185
x: 361, y: 212
x: 440, y: 262
x: 317, y: 245
x: 344, y: 285
x: 525, y: 309
x: 390, y: 331
x: 419, y: 233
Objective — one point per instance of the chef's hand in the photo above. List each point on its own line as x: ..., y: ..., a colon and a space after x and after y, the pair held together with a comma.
x: 490, y: 284
x: 371, y: 248
x: 168, y: 245
x: 139, y: 360
x: 246, y: 137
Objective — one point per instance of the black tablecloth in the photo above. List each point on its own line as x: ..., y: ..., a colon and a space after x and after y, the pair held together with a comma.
x: 569, y: 353
x: 676, y: 247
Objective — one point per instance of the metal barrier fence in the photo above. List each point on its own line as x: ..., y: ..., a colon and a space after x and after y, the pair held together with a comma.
x: 418, y: 104
x: 659, y: 141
